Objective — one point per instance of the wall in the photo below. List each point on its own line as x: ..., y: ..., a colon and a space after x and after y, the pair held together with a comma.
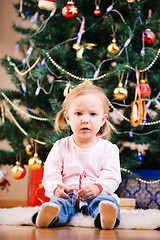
x: 17, y: 194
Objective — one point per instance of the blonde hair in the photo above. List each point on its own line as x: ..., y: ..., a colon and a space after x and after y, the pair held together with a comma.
x: 84, y: 89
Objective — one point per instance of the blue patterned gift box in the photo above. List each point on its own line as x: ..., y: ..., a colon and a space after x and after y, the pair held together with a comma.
x: 145, y: 192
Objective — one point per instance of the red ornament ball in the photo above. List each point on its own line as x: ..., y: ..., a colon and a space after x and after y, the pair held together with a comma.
x: 148, y: 37
x: 145, y: 89
x: 70, y: 11
x: 97, y: 11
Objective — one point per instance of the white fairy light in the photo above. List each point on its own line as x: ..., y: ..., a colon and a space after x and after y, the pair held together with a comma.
x: 37, y: 91
x: 109, y: 8
x: 23, y: 87
x: 34, y: 18
x: 23, y: 61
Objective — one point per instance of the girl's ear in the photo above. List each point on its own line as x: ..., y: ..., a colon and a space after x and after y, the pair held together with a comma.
x: 66, y: 117
x: 104, y: 118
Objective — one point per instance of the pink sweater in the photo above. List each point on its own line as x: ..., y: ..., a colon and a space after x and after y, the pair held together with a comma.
x: 66, y: 161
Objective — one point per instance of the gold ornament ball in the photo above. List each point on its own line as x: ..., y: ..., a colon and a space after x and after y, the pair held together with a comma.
x: 87, y: 82
x: 120, y: 93
x: 29, y: 149
x: 18, y: 171
x: 35, y: 163
x: 113, y: 47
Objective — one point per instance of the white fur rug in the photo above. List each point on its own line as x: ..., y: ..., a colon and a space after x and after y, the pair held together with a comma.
x: 130, y: 219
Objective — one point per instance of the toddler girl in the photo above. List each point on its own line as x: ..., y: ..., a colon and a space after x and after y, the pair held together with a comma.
x: 85, y: 110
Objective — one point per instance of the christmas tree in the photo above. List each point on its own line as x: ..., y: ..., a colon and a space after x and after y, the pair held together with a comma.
x: 112, y: 44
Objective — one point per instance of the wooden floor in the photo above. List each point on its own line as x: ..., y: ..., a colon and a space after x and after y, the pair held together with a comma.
x: 76, y: 233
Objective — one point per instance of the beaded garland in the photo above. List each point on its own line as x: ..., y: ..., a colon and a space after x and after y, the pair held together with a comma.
x: 20, y: 110
x: 139, y: 179
x: 21, y: 129
x: 104, y: 75
x: 74, y: 76
x: 150, y: 65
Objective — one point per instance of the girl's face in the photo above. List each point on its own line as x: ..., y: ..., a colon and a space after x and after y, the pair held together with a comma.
x: 85, y: 115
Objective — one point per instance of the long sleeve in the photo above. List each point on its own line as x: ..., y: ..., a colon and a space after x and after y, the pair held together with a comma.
x: 110, y: 176
x: 52, y: 170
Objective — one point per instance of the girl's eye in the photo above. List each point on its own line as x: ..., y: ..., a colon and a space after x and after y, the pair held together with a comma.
x: 78, y: 113
x: 93, y: 114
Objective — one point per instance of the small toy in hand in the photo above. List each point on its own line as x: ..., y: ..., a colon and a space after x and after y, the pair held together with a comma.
x: 75, y: 193
x: 3, y: 181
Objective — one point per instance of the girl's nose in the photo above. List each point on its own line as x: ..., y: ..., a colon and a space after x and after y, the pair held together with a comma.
x: 85, y: 120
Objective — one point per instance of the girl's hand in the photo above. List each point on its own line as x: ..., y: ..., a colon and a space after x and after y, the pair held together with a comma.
x: 62, y: 191
x: 89, y: 191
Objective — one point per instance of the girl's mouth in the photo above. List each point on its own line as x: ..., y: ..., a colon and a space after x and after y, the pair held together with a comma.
x: 85, y: 129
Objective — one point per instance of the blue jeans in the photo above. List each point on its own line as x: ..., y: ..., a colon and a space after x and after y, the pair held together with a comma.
x: 68, y: 211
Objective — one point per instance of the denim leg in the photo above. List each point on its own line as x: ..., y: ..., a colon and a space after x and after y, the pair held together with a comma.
x: 93, y: 206
x: 67, y: 210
